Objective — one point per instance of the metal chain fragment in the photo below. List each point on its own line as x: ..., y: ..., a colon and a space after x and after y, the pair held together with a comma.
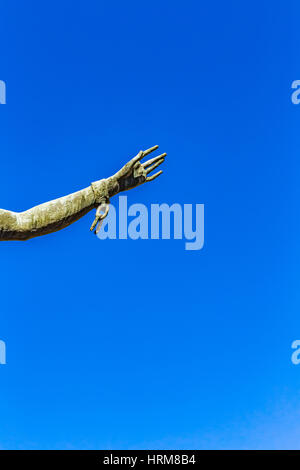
x: 101, y: 213
x: 100, y: 189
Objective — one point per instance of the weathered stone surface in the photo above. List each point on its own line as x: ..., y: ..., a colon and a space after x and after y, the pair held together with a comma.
x: 59, y: 213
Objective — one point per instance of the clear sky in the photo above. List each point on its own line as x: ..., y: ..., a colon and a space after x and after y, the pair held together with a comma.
x: 142, y: 344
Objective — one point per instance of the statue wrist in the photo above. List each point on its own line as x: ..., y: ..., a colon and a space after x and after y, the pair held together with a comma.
x: 100, y: 191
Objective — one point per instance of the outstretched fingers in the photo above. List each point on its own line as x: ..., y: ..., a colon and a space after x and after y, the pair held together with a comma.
x: 150, y: 150
x: 152, y: 167
x: 149, y: 164
x: 128, y: 167
x: 142, y: 154
x: 154, y: 160
x: 153, y: 177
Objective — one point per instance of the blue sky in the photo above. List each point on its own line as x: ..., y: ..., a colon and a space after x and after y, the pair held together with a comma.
x: 142, y: 344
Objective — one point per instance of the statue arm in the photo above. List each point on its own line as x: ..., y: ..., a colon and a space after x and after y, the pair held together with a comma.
x: 46, y: 218
x: 59, y: 213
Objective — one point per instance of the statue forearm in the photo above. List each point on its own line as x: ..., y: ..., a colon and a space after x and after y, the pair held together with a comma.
x: 51, y: 216
x: 59, y: 213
